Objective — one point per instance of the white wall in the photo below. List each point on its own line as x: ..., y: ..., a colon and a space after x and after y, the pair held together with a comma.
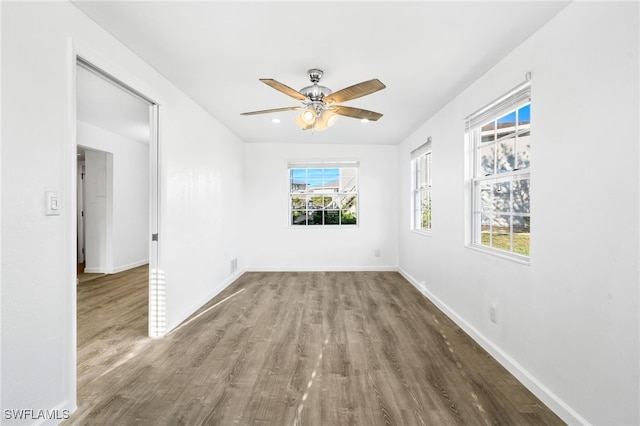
x: 130, y: 204
x: 273, y: 245
x: 202, y: 201
x: 201, y: 164
x: 568, y: 322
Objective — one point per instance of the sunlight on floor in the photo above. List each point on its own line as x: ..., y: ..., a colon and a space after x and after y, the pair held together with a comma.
x: 205, y: 311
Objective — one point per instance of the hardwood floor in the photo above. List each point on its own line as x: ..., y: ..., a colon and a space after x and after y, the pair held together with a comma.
x: 313, y: 348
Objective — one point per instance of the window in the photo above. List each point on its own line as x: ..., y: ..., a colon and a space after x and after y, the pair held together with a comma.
x: 500, y: 144
x: 323, y: 194
x: 421, y: 188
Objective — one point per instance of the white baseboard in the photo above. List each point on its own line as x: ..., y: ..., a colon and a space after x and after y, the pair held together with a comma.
x: 56, y: 414
x: 555, y: 403
x: 116, y: 269
x: 132, y: 265
x: 323, y: 269
x: 213, y: 293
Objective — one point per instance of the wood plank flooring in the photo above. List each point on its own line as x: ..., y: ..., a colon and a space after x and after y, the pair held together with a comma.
x: 312, y: 348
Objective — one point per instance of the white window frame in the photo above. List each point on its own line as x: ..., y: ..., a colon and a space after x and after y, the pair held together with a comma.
x: 513, y: 100
x: 421, y: 189
x: 341, y: 164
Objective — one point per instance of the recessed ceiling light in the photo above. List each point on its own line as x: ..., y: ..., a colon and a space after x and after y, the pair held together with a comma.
x: 275, y: 120
x: 364, y: 120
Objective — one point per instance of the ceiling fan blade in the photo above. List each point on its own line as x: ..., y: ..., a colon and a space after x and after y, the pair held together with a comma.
x: 283, y: 88
x: 355, y: 91
x: 267, y: 111
x: 356, y: 112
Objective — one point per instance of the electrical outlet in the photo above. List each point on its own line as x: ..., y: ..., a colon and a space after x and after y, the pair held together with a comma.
x: 377, y: 253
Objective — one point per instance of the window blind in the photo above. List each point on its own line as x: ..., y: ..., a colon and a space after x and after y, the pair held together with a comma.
x: 518, y: 95
x: 322, y: 164
x: 425, y: 147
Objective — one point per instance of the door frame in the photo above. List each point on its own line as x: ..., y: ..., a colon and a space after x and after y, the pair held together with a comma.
x: 75, y: 53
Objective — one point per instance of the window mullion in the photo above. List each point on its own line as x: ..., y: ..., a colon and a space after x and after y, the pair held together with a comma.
x: 499, y: 138
x: 504, y: 177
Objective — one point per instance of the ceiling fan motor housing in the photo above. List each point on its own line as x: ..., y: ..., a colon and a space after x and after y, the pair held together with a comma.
x: 315, y: 92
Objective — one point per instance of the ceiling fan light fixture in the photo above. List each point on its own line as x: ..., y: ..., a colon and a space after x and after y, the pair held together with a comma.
x: 319, y: 103
x: 308, y: 115
x: 300, y: 122
x: 325, y: 120
x: 332, y: 117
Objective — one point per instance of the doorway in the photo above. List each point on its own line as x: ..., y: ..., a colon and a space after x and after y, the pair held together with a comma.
x: 116, y: 143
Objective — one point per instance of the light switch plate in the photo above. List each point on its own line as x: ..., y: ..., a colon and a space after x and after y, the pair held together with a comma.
x: 52, y: 203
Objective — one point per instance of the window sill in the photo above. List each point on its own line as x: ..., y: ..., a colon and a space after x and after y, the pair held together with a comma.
x: 323, y: 226
x: 425, y: 233
x: 513, y: 257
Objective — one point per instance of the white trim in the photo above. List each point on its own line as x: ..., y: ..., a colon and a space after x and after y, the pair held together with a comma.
x: 94, y: 271
x: 425, y: 147
x: 58, y: 409
x: 518, y: 95
x: 200, y: 303
x: 553, y: 401
x: 130, y: 266
x: 116, y: 82
x: 505, y: 176
x: 70, y: 175
x: 198, y: 315
x: 322, y: 269
x: 503, y: 254
x: 322, y: 164
x: 106, y: 64
x: 346, y: 226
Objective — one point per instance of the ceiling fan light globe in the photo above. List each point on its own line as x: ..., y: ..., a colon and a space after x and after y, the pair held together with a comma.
x: 326, y: 119
x: 300, y: 122
x: 308, y: 116
x: 332, y: 118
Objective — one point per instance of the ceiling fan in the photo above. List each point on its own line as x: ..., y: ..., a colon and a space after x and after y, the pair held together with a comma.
x: 319, y: 104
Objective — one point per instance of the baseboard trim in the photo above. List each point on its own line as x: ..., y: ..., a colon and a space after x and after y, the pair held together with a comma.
x: 56, y: 414
x: 116, y: 269
x: 213, y: 293
x: 323, y: 269
x: 555, y: 403
x: 130, y: 266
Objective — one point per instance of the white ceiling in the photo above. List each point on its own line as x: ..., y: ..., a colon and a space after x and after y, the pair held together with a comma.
x: 425, y: 52
x: 105, y: 105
